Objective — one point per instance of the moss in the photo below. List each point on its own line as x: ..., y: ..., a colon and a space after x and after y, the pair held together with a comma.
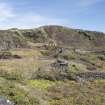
x: 40, y: 84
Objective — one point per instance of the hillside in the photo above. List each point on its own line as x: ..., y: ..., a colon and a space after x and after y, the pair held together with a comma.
x: 52, y: 65
x: 68, y: 37
x: 10, y: 39
x: 63, y: 36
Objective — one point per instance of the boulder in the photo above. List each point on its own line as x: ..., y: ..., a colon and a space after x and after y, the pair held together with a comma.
x: 4, y: 101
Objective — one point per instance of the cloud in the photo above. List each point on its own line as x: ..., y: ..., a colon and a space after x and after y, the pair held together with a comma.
x: 34, y: 20
x: 9, y: 18
x: 29, y: 20
x: 5, y: 12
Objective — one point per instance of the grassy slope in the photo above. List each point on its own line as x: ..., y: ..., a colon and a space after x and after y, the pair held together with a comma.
x: 64, y: 36
x: 11, y: 39
x: 24, y: 91
x: 76, y: 38
x: 16, y: 83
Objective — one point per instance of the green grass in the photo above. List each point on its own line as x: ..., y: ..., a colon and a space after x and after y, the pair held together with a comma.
x: 26, y: 53
x: 17, y: 95
x: 72, y: 93
x: 40, y: 84
x: 23, y: 91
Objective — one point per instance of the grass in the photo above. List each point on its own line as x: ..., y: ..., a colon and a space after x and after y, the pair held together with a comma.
x: 26, y: 53
x: 69, y: 55
x: 40, y: 84
x: 77, y: 67
x: 16, y: 82
x: 17, y: 95
x: 91, y: 93
x: 25, y: 66
x: 24, y: 91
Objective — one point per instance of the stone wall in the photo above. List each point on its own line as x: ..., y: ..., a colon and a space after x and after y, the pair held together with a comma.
x: 91, y: 75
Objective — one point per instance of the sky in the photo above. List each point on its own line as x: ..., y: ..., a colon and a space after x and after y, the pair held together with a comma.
x: 80, y: 14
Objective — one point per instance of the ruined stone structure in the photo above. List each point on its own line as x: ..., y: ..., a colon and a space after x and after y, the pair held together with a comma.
x: 60, y: 65
x: 91, y: 75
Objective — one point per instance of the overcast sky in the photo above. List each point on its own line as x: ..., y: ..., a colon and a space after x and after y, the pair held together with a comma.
x: 85, y: 14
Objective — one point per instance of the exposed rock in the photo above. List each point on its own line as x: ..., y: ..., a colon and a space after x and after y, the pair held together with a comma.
x: 60, y: 64
x: 4, y: 101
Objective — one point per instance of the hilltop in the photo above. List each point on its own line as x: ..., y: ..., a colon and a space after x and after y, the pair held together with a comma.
x: 67, y: 37
x: 63, y: 36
